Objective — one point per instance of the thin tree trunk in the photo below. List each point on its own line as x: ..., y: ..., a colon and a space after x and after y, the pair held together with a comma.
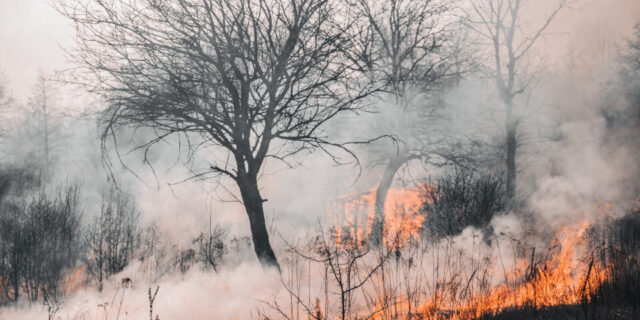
x: 511, y: 130
x: 377, y: 229
x: 46, y: 129
x: 16, y: 285
x: 253, y: 205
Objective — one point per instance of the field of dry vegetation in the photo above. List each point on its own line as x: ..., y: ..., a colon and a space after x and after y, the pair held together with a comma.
x: 323, y: 159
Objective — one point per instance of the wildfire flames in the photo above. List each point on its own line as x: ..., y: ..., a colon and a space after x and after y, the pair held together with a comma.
x: 564, y: 279
x: 564, y: 274
x: 352, y: 216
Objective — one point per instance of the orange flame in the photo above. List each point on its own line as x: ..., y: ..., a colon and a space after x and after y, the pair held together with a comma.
x: 352, y: 216
x: 562, y: 280
x: 567, y: 275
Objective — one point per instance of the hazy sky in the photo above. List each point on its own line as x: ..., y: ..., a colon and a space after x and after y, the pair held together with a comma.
x: 32, y: 32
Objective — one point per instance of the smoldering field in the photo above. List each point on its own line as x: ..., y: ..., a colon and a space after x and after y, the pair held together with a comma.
x: 103, y: 224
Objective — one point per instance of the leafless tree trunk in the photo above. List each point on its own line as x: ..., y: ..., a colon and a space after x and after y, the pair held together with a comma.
x: 45, y: 119
x: 403, y: 46
x: 500, y: 23
x: 248, y: 184
x: 43, y: 108
x: 394, y: 164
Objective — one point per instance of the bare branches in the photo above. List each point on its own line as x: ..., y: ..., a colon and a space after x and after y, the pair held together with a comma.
x: 39, y: 243
x: 244, y: 77
x: 403, y: 45
x: 112, y: 238
x: 349, y: 266
x: 500, y: 24
x: 240, y: 73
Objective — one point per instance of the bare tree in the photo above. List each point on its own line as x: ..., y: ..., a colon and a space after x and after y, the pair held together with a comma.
x: 347, y: 267
x: 404, y: 46
x: 41, y: 102
x: 14, y: 183
x: 253, y: 79
x: 33, y: 131
x: 501, y: 25
x: 622, y: 96
x: 12, y: 259
x: 112, y: 238
x: 39, y: 243
x: 621, y: 109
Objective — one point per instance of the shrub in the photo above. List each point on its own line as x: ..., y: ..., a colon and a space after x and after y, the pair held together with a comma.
x: 16, y: 181
x: 616, y: 247
x: 113, y: 237
x: 459, y: 199
x: 39, y: 242
x: 210, y: 246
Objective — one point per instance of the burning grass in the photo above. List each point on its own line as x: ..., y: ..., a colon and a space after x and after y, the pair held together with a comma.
x: 586, y: 270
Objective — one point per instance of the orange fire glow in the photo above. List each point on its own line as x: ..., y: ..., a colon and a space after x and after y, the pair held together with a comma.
x: 565, y: 274
x: 74, y: 279
x: 563, y: 279
x: 352, y: 216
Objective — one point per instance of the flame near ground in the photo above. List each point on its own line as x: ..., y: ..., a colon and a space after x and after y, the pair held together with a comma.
x: 461, y: 277
x: 566, y: 273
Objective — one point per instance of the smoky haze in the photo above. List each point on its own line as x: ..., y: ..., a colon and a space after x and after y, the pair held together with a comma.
x: 570, y: 161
